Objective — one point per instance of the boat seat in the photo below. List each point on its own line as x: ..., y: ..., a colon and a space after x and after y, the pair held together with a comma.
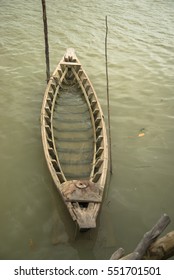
x: 70, y: 63
x: 81, y: 191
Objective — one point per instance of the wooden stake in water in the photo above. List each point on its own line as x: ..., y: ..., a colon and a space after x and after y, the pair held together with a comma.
x: 46, y: 40
x: 108, y: 103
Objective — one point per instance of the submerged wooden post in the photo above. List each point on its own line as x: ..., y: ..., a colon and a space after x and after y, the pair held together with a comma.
x: 117, y: 254
x: 46, y: 40
x: 150, y: 247
x: 108, y: 102
x: 150, y: 236
x: 162, y: 248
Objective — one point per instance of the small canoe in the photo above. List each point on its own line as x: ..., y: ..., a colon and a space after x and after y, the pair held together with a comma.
x: 74, y: 140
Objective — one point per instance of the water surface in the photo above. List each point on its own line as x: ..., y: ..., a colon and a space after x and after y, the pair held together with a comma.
x: 34, y: 223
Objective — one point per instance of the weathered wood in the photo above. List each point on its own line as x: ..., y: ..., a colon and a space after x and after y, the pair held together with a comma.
x: 81, y: 191
x: 150, y: 247
x: 46, y: 39
x: 85, y: 216
x: 70, y: 63
x: 82, y: 204
x: 108, y: 99
x: 117, y: 254
x: 162, y: 248
x: 131, y: 256
x: 150, y: 236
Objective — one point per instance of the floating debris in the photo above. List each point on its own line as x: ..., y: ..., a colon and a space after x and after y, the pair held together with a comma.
x: 141, y: 132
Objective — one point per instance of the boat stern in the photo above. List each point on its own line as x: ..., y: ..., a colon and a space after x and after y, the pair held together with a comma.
x: 86, y: 215
x: 83, y: 199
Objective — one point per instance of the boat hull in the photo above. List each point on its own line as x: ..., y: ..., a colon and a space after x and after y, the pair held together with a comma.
x: 74, y: 140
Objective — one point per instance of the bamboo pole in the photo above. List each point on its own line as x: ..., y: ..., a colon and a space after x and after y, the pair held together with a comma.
x: 46, y: 40
x: 108, y: 101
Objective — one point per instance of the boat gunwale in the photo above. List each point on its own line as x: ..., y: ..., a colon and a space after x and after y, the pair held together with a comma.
x: 61, y: 68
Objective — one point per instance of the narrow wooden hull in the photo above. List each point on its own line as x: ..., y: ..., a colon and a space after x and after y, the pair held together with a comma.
x: 74, y: 140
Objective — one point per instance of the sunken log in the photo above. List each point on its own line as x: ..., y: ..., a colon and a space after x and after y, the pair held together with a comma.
x: 117, y: 254
x: 46, y: 39
x: 149, y: 247
x: 162, y: 248
x: 150, y: 236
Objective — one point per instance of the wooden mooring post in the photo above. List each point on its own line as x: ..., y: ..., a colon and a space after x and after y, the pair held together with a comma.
x: 108, y: 99
x: 46, y: 40
x: 151, y: 248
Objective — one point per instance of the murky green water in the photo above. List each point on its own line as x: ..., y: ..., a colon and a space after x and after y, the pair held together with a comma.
x: 34, y: 223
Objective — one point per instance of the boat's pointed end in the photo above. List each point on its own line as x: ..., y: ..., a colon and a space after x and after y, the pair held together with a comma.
x: 86, y: 225
x: 85, y: 219
x: 70, y: 55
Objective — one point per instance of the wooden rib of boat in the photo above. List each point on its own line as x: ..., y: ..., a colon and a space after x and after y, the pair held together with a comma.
x: 74, y: 140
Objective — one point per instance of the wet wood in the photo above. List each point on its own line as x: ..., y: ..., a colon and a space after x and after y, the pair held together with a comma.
x: 108, y: 97
x: 152, y: 235
x: 162, y: 248
x: 46, y: 39
x: 117, y: 254
x: 86, y: 216
x: 150, y: 247
x: 82, y: 203
x: 81, y: 191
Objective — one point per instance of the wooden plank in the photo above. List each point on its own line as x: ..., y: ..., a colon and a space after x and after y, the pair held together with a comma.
x: 69, y: 63
x: 96, y: 111
x: 60, y: 177
x: 81, y: 191
x: 117, y: 254
x: 97, y: 121
x: 98, y: 130
x: 93, y: 104
x: 47, y: 120
x: 148, y: 238
x: 50, y: 94
x: 99, y: 139
x: 99, y: 151
x: 49, y: 141
x: 86, y: 217
x: 49, y: 102
x: 151, y: 235
x: 52, y: 153
x: 48, y: 131
x: 84, y: 199
x: 98, y: 163
x: 56, y: 79
x: 162, y: 248
x: 53, y: 85
x: 96, y: 177
x: 48, y: 111
x: 90, y: 94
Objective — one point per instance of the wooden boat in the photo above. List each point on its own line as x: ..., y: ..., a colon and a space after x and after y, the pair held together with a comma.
x: 74, y: 140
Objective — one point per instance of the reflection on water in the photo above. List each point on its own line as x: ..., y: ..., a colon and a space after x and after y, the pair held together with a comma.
x: 34, y: 221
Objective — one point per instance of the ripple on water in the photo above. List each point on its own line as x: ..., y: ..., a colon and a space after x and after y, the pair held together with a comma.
x: 141, y: 68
